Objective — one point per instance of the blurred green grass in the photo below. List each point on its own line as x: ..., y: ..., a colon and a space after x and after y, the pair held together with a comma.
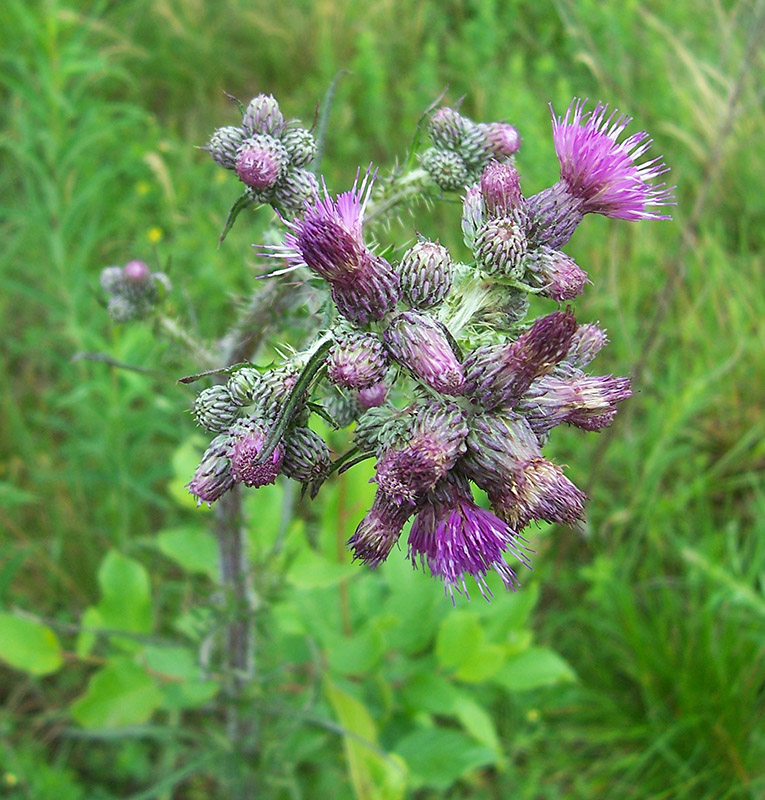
x: 659, y: 606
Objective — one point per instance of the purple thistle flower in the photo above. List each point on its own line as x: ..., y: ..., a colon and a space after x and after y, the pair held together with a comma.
x: 357, y: 360
x: 246, y: 442
x: 373, y: 396
x: 328, y: 240
x: 501, y: 189
x: 603, y: 172
x: 499, y: 375
x: 503, y: 139
x: 136, y: 272
x: 434, y: 442
x: 537, y: 490
x: 419, y: 343
x: 588, y: 341
x: 454, y: 537
x: 562, y: 277
x: 379, y: 530
x: 587, y: 401
x: 261, y: 161
x: 213, y: 478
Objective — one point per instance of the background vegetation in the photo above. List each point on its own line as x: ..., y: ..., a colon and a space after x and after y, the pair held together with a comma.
x: 656, y: 613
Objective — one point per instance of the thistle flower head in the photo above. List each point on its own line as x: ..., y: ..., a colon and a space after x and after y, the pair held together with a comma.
x: 357, y: 360
x: 263, y: 115
x: 300, y: 145
x: 455, y: 538
x: 561, y: 277
x: 246, y: 440
x: 373, y: 396
x: 586, y: 343
x: 379, y: 530
x: 215, y: 409
x: 447, y: 169
x: 261, y: 161
x: 500, y: 246
x: 306, y: 456
x: 136, y: 272
x: 419, y: 343
x: 213, y: 478
x: 501, y: 189
x: 224, y: 145
x: 503, y: 139
x: 603, y: 172
x: 426, y: 272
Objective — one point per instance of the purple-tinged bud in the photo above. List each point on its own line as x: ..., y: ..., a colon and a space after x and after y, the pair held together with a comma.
x: 136, y: 273
x: 538, y: 490
x: 379, y: 530
x: 454, y: 537
x: 554, y: 214
x: 243, y: 385
x: 273, y: 390
x: 214, y: 409
x: 224, y: 145
x: 357, y: 360
x: 373, y: 396
x: 499, y: 375
x: 112, y: 280
x: 370, y: 293
x: 433, y: 444
x: 497, y: 445
x: 587, y: 401
x: 560, y: 275
x: 295, y: 189
x: 306, y: 456
x: 212, y: 478
x: 419, y: 343
x: 448, y: 128
x: 426, y: 271
x: 300, y: 145
x: 246, y: 440
x: 263, y: 116
x: 503, y: 139
x: 588, y: 341
x: 447, y: 169
x: 473, y: 213
x: 501, y: 189
x: 380, y: 428
x: 500, y: 247
x: 261, y: 161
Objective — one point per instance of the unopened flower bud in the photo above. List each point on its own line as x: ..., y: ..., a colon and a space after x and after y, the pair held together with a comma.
x: 499, y: 375
x: 243, y: 385
x: 449, y: 130
x: 294, y: 189
x: 446, y: 168
x: 306, y: 456
x: 122, y: 309
x: 498, y: 444
x: 473, y: 213
x: 300, y: 145
x: 503, y: 139
x: 136, y: 273
x: 246, y: 442
x: 273, y: 390
x: 379, y: 531
x: 501, y: 189
x: 588, y: 341
x: 500, y: 247
x: 559, y: 274
x: 212, y: 478
x: 381, y: 427
x: 357, y: 360
x: 111, y: 279
x: 373, y: 396
x: 224, y: 144
x: 370, y: 293
x: 261, y: 161
x: 214, y: 408
x: 419, y: 343
x: 263, y: 116
x: 426, y: 271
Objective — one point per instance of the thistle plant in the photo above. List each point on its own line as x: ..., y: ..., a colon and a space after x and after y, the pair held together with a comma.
x: 432, y: 361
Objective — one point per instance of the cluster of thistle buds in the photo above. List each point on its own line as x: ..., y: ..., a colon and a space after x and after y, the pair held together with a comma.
x: 270, y: 155
x: 132, y: 290
x: 447, y: 382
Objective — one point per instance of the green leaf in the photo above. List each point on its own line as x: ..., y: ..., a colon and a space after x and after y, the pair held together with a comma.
x: 437, y: 757
x: 477, y: 722
x: 354, y: 655
x: 192, y: 549
x: 310, y: 570
x: 375, y: 775
x: 125, y: 594
x: 243, y: 201
x: 459, y: 637
x: 533, y: 668
x: 189, y: 694
x: 120, y: 694
x: 482, y: 663
x: 28, y: 645
x: 87, y: 638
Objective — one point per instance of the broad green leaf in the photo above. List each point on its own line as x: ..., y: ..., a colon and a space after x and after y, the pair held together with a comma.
x: 354, y: 655
x: 375, y: 775
x: 125, y: 594
x: 310, y: 570
x: 482, y: 663
x: 459, y: 637
x: 28, y: 645
x: 188, y: 694
x: 193, y: 549
x: 430, y: 692
x: 534, y: 667
x: 177, y: 662
x: 120, y: 694
x: 86, y: 638
x: 437, y: 757
x: 477, y: 722
x: 509, y: 613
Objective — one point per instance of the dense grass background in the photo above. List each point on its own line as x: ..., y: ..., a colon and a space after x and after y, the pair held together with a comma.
x: 658, y: 607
